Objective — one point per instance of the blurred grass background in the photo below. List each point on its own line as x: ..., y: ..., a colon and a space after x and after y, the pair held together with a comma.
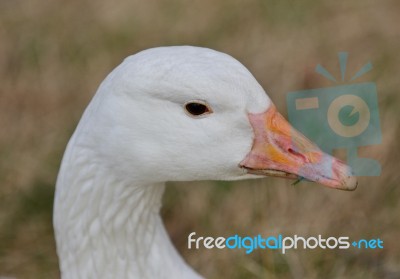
x: 54, y: 54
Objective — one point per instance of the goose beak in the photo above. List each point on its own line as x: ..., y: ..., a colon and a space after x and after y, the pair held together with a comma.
x: 280, y: 150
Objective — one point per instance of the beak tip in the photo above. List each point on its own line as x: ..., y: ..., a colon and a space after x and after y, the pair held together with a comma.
x: 350, y: 183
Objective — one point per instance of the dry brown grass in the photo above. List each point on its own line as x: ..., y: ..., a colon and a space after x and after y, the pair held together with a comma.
x: 54, y: 55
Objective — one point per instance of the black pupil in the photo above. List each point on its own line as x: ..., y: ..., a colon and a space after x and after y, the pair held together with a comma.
x: 196, y: 108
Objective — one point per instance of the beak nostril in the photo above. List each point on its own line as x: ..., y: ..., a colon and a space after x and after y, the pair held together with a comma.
x: 297, y: 154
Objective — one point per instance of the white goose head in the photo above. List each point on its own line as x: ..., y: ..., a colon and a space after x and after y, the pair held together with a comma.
x: 167, y: 114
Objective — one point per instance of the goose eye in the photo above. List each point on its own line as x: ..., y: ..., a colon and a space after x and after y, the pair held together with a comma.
x: 197, y: 108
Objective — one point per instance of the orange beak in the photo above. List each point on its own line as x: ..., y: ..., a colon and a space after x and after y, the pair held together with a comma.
x: 280, y: 150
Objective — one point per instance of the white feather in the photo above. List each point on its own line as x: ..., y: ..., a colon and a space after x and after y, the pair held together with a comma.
x: 133, y: 137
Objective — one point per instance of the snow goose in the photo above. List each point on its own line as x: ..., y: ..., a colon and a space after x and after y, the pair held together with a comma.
x: 167, y: 114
